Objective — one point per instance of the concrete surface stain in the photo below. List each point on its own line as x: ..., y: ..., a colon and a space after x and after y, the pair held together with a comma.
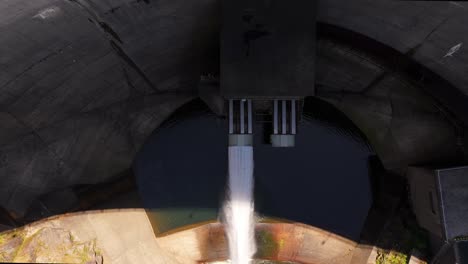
x: 48, y: 12
x: 457, y: 4
x: 453, y: 50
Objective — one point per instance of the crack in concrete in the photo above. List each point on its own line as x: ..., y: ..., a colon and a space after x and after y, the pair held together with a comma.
x: 34, y: 133
x: 414, y: 49
x: 111, y: 35
x: 116, y: 8
x: 16, y: 97
x: 129, y: 82
x: 109, y: 30
x: 30, y: 67
x: 104, y: 108
x: 374, y: 82
x: 124, y: 56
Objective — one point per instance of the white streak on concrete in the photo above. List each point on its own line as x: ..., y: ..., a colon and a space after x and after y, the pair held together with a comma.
x: 49, y: 12
x: 453, y: 50
x: 457, y: 4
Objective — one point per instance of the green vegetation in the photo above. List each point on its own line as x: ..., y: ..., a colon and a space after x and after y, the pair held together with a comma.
x: 391, y: 257
x: 10, y: 242
x: 401, y: 236
x: 269, y: 245
x: 7, y: 236
x: 62, y: 247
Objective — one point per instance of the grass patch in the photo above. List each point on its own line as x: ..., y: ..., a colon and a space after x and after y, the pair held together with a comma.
x: 391, y: 257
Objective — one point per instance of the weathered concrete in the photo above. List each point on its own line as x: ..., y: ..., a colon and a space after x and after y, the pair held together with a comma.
x: 126, y: 236
x: 115, y: 237
x: 425, y: 30
x: 403, y: 123
x: 81, y: 81
x: 85, y: 149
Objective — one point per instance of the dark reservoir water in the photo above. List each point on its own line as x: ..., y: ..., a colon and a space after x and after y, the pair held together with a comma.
x: 323, y: 181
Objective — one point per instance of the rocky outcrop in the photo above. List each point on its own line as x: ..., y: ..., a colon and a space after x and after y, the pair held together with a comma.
x: 47, y: 245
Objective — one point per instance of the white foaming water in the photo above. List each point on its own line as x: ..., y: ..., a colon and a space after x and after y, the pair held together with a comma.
x: 239, y: 208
